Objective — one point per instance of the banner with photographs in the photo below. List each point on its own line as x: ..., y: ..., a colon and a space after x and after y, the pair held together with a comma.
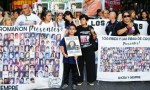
x: 124, y: 58
x: 30, y: 58
x: 73, y: 46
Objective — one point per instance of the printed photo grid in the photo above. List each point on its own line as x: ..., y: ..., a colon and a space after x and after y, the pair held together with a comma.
x: 127, y: 59
x: 24, y: 56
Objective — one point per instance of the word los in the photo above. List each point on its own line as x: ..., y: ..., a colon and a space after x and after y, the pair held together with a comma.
x: 98, y: 23
x: 8, y: 87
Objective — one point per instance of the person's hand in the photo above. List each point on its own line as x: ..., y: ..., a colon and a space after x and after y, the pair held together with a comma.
x: 65, y: 55
x: 76, y: 57
x: 93, y: 34
x: 66, y: 32
x: 130, y: 25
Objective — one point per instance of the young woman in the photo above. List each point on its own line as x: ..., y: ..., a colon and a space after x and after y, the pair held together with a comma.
x: 59, y: 22
x: 7, y: 21
x: 68, y: 17
x: 46, y: 17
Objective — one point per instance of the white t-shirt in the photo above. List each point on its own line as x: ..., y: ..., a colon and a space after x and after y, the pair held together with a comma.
x: 50, y: 24
x: 23, y: 20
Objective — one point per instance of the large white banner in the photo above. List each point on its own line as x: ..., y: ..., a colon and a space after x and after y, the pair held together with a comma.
x: 30, y: 58
x: 123, y: 58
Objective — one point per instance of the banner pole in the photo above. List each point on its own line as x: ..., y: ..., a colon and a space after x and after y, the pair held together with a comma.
x: 77, y: 67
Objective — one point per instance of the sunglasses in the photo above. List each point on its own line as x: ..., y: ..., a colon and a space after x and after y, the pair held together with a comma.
x: 126, y: 16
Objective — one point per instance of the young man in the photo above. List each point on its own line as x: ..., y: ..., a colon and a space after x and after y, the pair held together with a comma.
x: 87, y: 38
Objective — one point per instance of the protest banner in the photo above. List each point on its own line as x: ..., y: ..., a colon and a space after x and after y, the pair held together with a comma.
x: 99, y: 25
x: 123, y: 58
x: 73, y: 46
x: 30, y: 58
x: 142, y: 26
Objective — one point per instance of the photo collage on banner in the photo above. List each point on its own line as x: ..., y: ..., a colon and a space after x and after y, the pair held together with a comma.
x: 24, y: 56
x: 127, y: 59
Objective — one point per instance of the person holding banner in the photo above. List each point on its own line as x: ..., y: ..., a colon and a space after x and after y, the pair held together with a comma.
x: 87, y: 38
x: 69, y: 62
x: 110, y: 28
x: 126, y: 27
x: 144, y: 16
x: 27, y: 18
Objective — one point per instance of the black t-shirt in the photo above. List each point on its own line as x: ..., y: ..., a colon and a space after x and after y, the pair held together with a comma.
x: 130, y: 32
x: 110, y: 28
x: 84, y: 36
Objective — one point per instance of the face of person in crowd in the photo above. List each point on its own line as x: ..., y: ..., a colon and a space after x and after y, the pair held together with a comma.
x: 26, y: 9
x: 60, y: 16
x: 133, y: 15
x: 83, y: 21
x: 15, y: 15
x: 8, y: 22
x: 144, y: 15
x: 106, y: 14
x: 112, y: 15
x: 126, y: 17
x: 67, y: 17
x: 48, y: 17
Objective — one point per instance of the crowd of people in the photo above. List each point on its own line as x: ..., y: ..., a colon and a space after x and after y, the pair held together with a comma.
x: 120, y: 24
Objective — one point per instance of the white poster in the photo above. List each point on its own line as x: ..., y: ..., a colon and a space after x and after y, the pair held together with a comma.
x: 99, y: 25
x: 58, y: 7
x: 123, y: 59
x: 75, y: 6
x: 73, y: 46
x: 142, y: 26
x: 30, y: 58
